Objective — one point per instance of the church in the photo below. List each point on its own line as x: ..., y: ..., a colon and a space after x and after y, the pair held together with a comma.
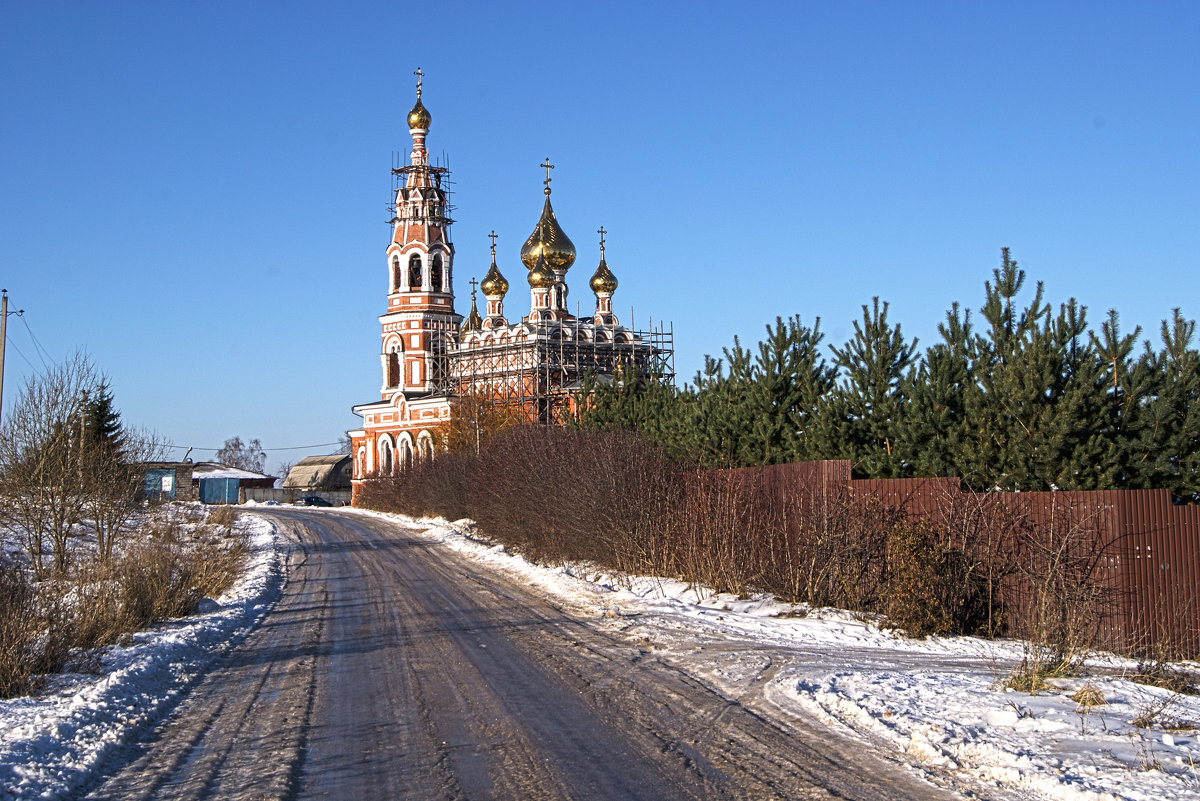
x: 435, y: 363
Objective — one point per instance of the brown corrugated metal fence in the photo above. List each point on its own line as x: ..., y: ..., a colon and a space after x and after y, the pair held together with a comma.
x: 1128, y: 560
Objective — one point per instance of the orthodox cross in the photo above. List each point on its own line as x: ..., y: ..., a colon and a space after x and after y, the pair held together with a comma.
x: 473, y: 284
x: 419, y: 75
x: 492, y: 236
x: 602, y: 232
x: 548, y: 167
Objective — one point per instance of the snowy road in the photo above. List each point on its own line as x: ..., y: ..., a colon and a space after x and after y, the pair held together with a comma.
x: 393, y: 668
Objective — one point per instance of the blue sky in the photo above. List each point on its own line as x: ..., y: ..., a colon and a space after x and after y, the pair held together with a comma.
x: 196, y: 193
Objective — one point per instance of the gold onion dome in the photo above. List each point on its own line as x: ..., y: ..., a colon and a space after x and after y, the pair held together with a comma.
x: 419, y: 117
x: 603, y: 279
x: 493, y: 283
x: 549, y: 241
x: 540, y: 276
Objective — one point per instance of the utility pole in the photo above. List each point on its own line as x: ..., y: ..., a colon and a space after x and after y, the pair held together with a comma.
x: 4, y: 339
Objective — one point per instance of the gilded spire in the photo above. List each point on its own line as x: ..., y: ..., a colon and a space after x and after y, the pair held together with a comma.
x: 541, y: 277
x: 603, y: 279
x: 418, y: 118
x: 493, y: 283
x: 548, y: 239
x: 473, y: 322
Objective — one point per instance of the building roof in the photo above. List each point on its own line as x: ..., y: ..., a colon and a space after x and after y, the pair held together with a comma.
x: 217, y: 470
x: 325, y: 472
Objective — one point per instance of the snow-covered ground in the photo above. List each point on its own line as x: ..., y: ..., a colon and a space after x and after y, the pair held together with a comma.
x: 54, y: 743
x: 936, y: 704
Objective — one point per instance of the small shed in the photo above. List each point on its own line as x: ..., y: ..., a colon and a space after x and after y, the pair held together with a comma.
x: 320, y: 473
x: 218, y: 483
x: 167, y: 481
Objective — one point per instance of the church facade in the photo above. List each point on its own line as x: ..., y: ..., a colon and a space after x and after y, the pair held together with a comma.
x: 437, y: 364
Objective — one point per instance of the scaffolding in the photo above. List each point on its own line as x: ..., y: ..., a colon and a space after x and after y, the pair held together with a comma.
x: 538, y: 374
x: 436, y: 212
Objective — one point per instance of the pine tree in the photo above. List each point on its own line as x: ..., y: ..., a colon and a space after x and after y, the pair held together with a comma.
x: 864, y: 416
x: 1126, y: 385
x: 933, y: 430
x: 720, y: 423
x: 787, y: 381
x: 1168, y: 442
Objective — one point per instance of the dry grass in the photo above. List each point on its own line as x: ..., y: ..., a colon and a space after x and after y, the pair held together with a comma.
x: 174, y: 562
x: 1089, y: 695
x: 1160, y: 673
x: 33, y: 633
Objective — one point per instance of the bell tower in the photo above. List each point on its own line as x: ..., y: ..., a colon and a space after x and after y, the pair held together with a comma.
x: 420, y: 322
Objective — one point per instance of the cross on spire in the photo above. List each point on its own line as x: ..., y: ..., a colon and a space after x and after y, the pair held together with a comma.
x: 473, y: 284
x: 419, y: 75
x: 602, y: 232
x: 492, y: 236
x: 548, y: 167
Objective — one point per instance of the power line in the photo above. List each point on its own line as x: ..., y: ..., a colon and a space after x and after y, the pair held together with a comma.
x: 43, y: 354
x: 265, y: 450
x: 21, y: 353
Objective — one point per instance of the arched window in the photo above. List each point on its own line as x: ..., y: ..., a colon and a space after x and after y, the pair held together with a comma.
x: 386, y: 460
x: 424, y: 446
x: 393, y: 364
x: 435, y: 273
x: 414, y: 272
x: 405, y: 452
x: 396, y: 274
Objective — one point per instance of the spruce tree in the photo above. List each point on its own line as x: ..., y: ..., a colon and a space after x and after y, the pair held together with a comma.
x: 102, y: 421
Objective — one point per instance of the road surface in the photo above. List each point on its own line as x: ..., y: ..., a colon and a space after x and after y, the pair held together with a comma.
x: 393, y: 668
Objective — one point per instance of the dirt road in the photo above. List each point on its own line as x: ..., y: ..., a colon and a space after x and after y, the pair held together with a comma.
x: 392, y: 668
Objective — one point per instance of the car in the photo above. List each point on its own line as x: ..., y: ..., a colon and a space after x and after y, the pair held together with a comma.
x: 311, y: 500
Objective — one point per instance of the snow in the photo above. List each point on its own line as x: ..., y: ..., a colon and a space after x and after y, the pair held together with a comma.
x: 55, y: 743
x: 937, y: 705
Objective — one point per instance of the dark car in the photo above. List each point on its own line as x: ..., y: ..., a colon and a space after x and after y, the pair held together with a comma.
x: 311, y: 500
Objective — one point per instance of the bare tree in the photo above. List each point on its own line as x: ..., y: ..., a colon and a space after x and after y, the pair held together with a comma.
x: 114, y: 484
x: 236, y: 453
x: 42, y: 459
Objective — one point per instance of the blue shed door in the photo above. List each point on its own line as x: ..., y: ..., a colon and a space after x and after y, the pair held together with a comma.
x: 218, y: 490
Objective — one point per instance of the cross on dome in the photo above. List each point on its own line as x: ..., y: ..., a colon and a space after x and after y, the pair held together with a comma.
x: 419, y: 75
x: 548, y: 167
x: 602, y: 232
x: 492, y: 236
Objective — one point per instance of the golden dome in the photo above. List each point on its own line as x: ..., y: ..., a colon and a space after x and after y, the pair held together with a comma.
x: 419, y: 117
x: 603, y: 280
x: 540, y: 277
x: 548, y: 240
x: 473, y: 322
x: 493, y: 283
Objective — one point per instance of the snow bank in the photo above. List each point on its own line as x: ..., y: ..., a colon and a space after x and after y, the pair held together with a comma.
x: 937, y: 704
x: 51, y: 745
